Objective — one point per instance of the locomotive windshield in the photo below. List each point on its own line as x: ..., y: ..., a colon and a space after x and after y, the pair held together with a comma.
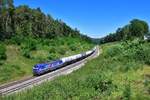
x: 40, y: 65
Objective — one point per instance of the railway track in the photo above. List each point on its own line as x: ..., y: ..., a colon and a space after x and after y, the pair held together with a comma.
x: 33, y: 81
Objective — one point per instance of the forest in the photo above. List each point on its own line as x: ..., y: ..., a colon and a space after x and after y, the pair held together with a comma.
x: 135, y: 29
x: 23, y: 21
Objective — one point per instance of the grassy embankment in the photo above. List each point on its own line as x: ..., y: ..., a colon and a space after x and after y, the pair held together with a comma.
x: 122, y: 71
x: 18, y: 56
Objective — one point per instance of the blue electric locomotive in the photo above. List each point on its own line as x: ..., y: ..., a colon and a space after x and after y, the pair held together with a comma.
x: 39, y: 69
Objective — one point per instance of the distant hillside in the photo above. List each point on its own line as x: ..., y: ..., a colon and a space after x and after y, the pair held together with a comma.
x: 24, y: 21
x: 135, y: 29
x: 96, y: 40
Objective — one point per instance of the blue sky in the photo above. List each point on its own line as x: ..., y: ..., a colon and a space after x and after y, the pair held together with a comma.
x: 95, y: 18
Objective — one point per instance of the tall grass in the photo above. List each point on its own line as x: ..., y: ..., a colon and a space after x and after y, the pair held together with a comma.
x: 117, y: 74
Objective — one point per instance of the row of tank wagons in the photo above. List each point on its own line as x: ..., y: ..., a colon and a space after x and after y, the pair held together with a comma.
x: 43, y: 68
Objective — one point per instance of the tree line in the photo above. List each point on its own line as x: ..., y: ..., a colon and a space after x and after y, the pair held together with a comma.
x: 24, y: 21
x: 135, y: 29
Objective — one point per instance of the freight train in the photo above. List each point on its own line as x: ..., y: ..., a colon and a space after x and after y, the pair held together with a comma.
x: 43, y: 68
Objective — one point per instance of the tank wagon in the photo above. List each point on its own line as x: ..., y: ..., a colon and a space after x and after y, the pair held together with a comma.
x: 43, y: 68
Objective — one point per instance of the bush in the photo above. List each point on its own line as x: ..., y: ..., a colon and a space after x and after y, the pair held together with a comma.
x: 113, y: 51
x: 29, y: 43
x: 133, y: 49
x: 27, y: 46
x: 147, y: 83
x: 101, y: 83
x: 52, y: 56
x: 127, y: 92
x: 146, y: 54
x: 132, y: 54
x: 46, y: 42
x: 26, y: 53
x: 72, y: 47
x: 2, y: 52
x: 18, y: 39
x: 130, y: 65
x: 136, y: 50
x: 9, y: 71
x: 52, y: 49
x: 61, y: 50
x: 41, y: 60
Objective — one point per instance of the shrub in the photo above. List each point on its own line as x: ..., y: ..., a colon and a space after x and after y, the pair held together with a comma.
x: 46, y: 42
x: 136, y: 50
x: 113, y: 51
x: 101, y: 83
x: 26, y: 53
x: 61, y: 50
x: 9, y: 71
x: 133, y: 50
x: 41, y: 60
x: 72, y: 47
x: 127, y: 92
x: 146, y: 54
x: 18, y: 39
x: 52, y: 56
x: 29, y: 43
x: 52, y: 49
x: 2, y: 52
x: 130, y: 65
x: 147, y: 83
x: 27, y: 46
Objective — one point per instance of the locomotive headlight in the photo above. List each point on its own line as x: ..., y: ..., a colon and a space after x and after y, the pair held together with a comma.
x: 40, y: 69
